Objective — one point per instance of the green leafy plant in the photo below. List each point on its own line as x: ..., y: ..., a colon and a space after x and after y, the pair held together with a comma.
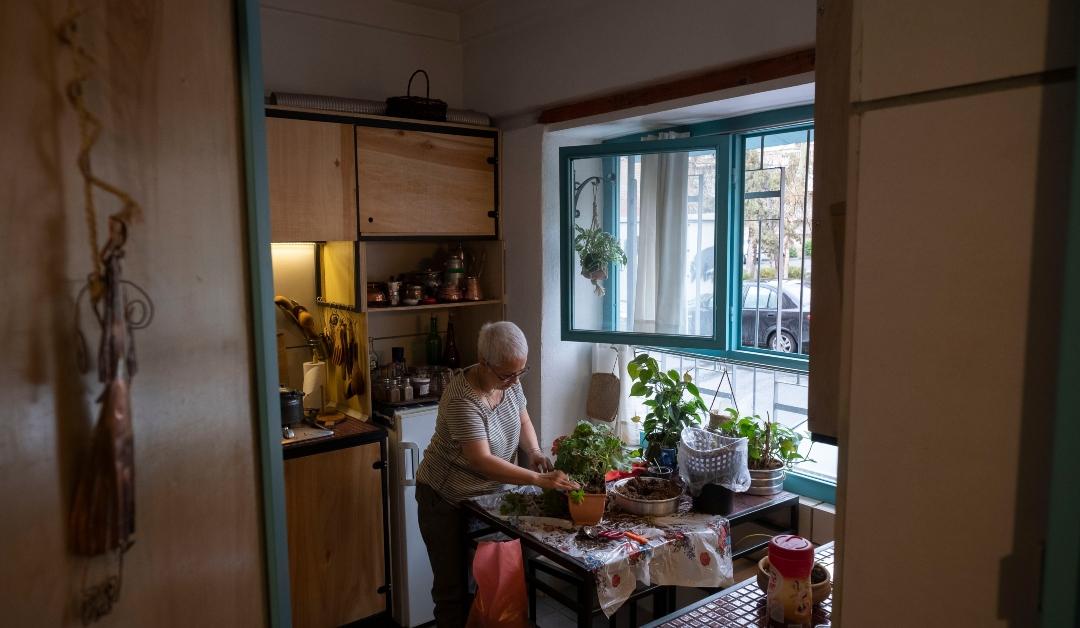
x: 586, y: 455
x: 770, y: 445
x: 674, y: 402
x: 597, y: 249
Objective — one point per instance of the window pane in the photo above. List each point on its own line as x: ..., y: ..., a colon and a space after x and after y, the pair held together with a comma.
x: 777, y: 193
x: 758, y: 390
x: 661, y: 210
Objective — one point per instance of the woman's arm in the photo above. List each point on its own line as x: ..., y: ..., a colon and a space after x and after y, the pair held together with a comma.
x: 531, y: 446
x: 478, y: 453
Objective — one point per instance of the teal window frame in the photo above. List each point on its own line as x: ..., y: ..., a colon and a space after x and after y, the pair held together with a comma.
x: 727, y: 137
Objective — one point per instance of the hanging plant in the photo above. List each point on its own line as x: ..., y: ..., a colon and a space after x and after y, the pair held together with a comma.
x: 597, y: 249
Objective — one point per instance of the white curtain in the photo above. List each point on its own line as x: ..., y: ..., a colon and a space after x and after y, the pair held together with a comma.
x: 659, y: 302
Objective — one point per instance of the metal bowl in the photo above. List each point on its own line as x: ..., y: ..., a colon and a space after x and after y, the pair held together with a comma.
x: 643, y: 506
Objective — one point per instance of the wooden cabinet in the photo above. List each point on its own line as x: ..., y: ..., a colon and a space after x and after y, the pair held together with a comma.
x: 312, y: 173
x: 425, y: 183
x: 334, y: 505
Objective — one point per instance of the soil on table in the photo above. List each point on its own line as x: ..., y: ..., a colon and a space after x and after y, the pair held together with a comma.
x: 650, y: 489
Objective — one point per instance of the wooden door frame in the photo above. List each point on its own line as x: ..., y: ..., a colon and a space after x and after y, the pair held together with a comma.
x: 1061, y: 571
x: 261, y: 307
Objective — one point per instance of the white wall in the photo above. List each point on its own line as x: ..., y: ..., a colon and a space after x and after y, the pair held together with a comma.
x: 360, y: 48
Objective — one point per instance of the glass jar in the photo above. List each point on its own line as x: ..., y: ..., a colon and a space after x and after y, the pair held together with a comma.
x: 395, y: 391
x: 406, y: 389
x: 382, y: 389
x: 421, y: 386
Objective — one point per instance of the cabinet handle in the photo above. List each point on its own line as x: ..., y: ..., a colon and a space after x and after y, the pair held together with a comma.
x: 493, y: 213
x: 492, y: 160
x: 380, y: 465
x: 409, y: 468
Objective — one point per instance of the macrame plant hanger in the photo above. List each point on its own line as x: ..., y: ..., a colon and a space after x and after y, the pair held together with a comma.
x: 598, y: 287
x: 102, y: 516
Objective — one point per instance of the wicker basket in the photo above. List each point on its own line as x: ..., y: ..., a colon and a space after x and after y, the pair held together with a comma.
x: 409, y: 106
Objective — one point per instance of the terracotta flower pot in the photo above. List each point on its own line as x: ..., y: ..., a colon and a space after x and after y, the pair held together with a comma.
x: 819, y: 589
x: 589, y: 511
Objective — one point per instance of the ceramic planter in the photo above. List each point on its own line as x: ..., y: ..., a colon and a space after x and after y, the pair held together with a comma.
x: 589, y: 511
x: 598, y: 273
x: 766, y: 482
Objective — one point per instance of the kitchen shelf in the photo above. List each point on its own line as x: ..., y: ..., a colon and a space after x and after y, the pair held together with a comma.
x: 436, y: 306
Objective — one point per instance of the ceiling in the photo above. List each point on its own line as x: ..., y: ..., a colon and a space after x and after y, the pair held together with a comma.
x: 728, y: 107
x: 450, y: 6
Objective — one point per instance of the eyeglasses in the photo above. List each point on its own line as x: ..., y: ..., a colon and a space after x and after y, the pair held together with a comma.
x: 507, y: 378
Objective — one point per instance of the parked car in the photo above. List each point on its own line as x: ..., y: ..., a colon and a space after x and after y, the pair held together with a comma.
x: 759, y: 313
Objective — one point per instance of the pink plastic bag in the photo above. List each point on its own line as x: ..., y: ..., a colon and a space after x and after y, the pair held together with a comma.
x: 500, y: 587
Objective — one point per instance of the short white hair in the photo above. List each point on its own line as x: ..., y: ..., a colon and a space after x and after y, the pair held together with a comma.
x: 501, y: 343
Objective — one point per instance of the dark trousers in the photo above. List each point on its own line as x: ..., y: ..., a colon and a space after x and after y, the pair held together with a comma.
x: 443, y: 527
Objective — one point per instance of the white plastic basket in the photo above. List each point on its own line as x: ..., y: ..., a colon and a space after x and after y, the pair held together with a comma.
x: 709, y: 458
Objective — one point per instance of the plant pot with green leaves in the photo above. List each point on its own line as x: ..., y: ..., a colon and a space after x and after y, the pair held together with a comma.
x: 586, y: 455
x: 674, y: 402
x: 597, y: 250
x: 772, y: 449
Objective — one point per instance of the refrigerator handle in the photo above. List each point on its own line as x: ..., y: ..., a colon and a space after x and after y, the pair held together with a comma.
x: 410, y: 469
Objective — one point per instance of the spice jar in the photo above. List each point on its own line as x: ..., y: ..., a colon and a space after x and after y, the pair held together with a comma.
x: 406, y: 389
x: 421, y: 386
x: 789, y: 603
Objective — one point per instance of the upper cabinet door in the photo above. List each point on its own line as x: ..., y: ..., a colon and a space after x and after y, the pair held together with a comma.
x: 419, y: 183
x: 312, y: 180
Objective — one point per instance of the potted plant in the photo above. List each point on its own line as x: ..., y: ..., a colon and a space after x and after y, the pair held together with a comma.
x: 674, y: 402
x: 586, y: 455
x: 772, y: 449
x: 597, y: 249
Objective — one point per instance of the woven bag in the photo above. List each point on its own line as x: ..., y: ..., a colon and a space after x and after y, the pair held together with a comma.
x: 605, y: 389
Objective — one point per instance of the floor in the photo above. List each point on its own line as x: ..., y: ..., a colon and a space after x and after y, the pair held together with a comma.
x: 552, y: 614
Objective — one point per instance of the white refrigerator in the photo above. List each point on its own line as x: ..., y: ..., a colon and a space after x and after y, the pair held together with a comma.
x: 410, y: 430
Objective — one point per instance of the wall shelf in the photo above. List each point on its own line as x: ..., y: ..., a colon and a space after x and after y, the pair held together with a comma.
x: 437, y: 306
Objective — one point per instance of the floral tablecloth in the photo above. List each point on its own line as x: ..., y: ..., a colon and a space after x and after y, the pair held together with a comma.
x: 684, y: 549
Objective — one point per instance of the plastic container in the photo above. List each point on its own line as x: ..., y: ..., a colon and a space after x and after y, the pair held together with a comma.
x: 788, y: 601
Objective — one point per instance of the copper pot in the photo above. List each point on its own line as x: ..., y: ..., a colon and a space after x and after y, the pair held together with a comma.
x: 375, y: 294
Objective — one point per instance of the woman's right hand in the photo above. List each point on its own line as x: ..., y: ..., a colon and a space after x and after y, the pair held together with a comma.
x: 556, y: 480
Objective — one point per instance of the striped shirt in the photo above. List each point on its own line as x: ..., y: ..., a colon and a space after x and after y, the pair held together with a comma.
x: 464, y: 416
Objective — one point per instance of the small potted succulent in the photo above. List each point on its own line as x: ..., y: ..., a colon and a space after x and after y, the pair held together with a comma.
x: 586, y: 455
x: 597, y: 249
x: 772, y: 449
x: 674, y: 402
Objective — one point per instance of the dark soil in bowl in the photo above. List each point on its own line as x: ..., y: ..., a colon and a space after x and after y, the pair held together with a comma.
x: 650, y: 490
x: 819, y: 574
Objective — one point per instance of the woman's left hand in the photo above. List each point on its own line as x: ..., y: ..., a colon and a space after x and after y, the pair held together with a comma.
x: 539, y: 462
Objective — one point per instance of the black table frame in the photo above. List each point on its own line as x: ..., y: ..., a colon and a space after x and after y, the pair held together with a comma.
x: 749, y: 509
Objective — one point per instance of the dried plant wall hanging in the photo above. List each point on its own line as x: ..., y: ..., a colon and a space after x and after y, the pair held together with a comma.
x: 102, y: 517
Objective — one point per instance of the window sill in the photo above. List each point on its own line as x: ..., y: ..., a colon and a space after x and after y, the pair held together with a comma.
x: 810, y: 486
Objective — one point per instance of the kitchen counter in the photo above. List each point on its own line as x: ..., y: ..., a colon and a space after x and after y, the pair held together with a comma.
x: 349, y: 433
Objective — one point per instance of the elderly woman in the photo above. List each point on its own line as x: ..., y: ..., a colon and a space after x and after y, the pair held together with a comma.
x: 482, y: 423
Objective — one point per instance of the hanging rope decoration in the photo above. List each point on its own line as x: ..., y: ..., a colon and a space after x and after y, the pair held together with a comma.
x: 102, y: 517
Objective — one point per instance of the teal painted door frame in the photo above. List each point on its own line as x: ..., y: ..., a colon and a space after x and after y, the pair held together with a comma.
x: 1061, y: 574
x: 261, y: 303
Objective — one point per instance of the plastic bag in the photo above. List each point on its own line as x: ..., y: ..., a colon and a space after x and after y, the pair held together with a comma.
x: 708, y: 458
x: 500, y: 587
